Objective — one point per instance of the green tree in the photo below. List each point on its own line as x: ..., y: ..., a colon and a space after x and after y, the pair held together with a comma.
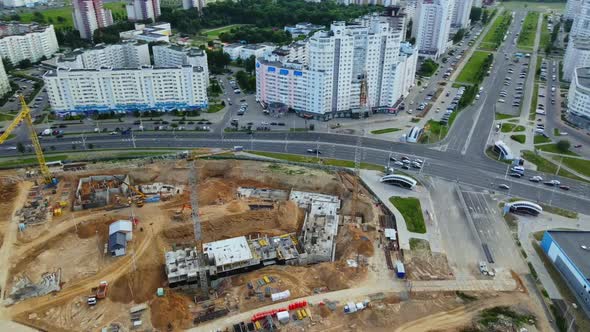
x: 217, y: 61
x: 563, y: 145
x: 60, y: 19
x: 8, y: 66
x: 428, y: 67
x: 459, y: 36
x: 38, y: 17
x: 249, y: 64
x: 90, y: 146
x: 25, y: 63
x: 475, y: 14
x: 20, y: 147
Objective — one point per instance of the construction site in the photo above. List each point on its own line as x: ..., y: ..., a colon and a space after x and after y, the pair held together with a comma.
x: 206, y: 244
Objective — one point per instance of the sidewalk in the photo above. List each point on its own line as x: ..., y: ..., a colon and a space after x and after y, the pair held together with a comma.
x: 385, y: 191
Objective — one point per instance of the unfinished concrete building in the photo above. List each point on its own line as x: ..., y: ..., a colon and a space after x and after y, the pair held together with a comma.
x: 100, y: 190
x: 264, y: 194
x: 320, y: 227
x: 227, y: 257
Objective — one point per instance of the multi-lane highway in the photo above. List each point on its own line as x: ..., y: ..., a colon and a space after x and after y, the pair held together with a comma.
x: 451, y: 165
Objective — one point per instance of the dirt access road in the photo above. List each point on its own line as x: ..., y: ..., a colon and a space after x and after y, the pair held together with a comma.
x: 10, y: 239
x: 83, y: 286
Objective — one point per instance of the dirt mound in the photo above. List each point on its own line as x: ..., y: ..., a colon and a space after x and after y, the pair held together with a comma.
x: 170, y: 309
x: 286, y: 218
x: 98, y: 226
x: 138, y: 287
x: 8, y: 191
x: 351, y: 241
x: 237, y: 206
x: 215, y: 191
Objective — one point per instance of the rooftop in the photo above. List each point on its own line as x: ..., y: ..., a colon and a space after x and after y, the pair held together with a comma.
x: 571, y: 243
x: 228, y: 251
x: 583, y: 75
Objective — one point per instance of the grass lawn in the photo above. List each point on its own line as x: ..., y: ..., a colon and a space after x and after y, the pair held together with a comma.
x: 66, y: 21
x: 411, y: 210
x: 6, y: 117
x: 507, y: 127
x: 495, y: 35
x: 519, y: 138
x: 560, y: 211
x: 472, y: 68
x: 215, y: 108
x: 213, y: 34
x: 434, y: 132
x: 500, y: 116
x: 419, y: 244
x: 553, y: 148
x: 558, y: 6
x: 541, y: 139
x: 545, y: 35
x: 533, y: 107
x: 581, y: 166
x: 546, y: 166
x: 526, y: 39
x: 29, y: 161
x: 384, y: 131
x: 314, y: 160
x: 519, y: 128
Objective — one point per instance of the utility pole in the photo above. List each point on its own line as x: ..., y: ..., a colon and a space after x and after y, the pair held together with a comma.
x: 133, y: 139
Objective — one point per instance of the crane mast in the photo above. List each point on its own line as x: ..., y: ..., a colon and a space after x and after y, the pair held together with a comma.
x: 25, y: 115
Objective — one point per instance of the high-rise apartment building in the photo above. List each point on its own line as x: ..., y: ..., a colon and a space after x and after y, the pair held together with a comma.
x: 90, y: 15
x: 571, y: 9
x: 141, y: 10
x: 576, y: 53
x: 130, y: 89
x: 4, y: 83
x: 349, y: 69
x: 461, y: 12
x: 129, y: 54
x: 199, y: 4
x: 579, y: 98
x: 27, y: 41
x: 433, y: 27
x: 173, y: 56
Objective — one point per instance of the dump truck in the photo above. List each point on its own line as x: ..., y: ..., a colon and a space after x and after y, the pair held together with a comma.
x: 101, y: 292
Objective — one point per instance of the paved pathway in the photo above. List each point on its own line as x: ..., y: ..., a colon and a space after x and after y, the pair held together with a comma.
x: 385, y: 191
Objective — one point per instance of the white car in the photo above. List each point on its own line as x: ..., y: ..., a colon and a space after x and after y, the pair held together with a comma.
x: 504, y: 186
x: 536, y: 178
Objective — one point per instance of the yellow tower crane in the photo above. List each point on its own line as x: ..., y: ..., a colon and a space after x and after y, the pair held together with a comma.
x: 25, y: 115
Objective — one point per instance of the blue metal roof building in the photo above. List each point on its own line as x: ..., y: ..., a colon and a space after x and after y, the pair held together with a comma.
x: 117, y: 244
x: 569, y: 251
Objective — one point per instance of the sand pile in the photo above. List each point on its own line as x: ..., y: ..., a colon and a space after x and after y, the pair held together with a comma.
x: 171, y: 308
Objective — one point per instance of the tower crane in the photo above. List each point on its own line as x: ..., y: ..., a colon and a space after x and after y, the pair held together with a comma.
x: 25, y: 115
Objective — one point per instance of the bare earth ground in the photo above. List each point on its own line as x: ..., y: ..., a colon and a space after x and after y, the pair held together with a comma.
x: 74, y: 242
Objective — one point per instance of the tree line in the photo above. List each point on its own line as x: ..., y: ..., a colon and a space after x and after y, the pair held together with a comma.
x: 261, y: 13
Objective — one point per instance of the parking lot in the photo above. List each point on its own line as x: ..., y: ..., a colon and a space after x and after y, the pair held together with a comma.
x: 511, y: 95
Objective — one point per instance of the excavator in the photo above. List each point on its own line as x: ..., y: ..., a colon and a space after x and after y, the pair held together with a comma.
x: 25, y: 115
x: 140, y: 199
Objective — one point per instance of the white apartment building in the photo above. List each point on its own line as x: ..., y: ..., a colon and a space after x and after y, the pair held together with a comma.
x: 340, y: 64
x: 577, y: 55
x: 433, y: 27
x: 27, y: 41
x: 173, y: 56
x: 461, y: 12
x: 571, y: 9
x: 4, y: 83
x: 131, y: 89
x: 124, y: 55
x: 294, y: 52
x: 22, y: 3
x: 199, y: 4
x: 579, y: 98
x: 139, y: 10
x: 581, y: 24
x: 244, y: 51
x: 405, y: 71
x: 151, y: 33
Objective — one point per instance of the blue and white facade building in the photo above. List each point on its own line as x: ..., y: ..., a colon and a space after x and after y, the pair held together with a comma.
x: 144, y: 88
x: 569, y: 251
